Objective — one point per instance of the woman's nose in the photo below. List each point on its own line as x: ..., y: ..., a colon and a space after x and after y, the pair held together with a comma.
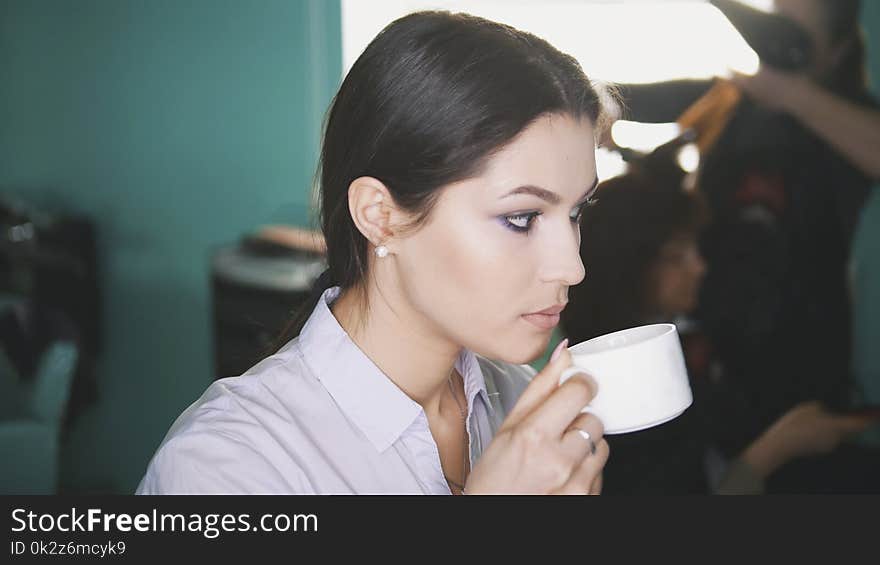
x: 563, y: 262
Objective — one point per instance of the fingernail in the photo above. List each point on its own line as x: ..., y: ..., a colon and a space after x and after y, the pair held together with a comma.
x: 562, y: 345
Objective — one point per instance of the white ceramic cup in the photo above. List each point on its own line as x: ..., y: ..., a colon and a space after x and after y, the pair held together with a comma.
x: 641, y: 376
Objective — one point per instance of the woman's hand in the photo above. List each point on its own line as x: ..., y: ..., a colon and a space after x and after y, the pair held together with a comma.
x: 809, y: 429
x: 541, y: 447
x: 852, y: 129
x: 779, y: 90
x: 806, y: 429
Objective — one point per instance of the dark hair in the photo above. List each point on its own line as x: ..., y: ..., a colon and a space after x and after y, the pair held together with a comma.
x: 621, y: 237
x: 849, y: 77
x: 425, y: 105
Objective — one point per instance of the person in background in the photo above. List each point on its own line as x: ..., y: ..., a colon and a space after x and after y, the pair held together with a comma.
x: 785, y: 183
x: 457, y: 158
x: 639, y: 243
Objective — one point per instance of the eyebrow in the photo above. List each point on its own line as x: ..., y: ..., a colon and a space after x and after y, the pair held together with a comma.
x: 548, y: 195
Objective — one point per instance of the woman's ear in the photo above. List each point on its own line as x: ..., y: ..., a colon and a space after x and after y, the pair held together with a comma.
x: 372, y: 209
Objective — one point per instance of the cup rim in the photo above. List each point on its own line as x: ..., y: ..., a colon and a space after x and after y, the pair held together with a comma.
x: 669, y: 328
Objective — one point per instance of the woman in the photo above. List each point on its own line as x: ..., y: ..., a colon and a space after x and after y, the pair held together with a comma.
x: 640, y: 244
x: 457, y: 158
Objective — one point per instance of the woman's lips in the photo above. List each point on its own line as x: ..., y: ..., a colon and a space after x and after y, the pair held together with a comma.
x: 543, y: 321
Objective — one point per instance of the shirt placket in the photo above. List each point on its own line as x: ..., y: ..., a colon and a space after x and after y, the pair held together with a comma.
x: 421, y: 445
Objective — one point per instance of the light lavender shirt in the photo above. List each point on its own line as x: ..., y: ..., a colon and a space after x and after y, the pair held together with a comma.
x: 319, y: 417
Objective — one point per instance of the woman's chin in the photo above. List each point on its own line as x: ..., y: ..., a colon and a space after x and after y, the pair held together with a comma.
x: 526, y: 352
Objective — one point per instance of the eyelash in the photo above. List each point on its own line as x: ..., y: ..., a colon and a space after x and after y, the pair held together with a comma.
x: 530, y: 216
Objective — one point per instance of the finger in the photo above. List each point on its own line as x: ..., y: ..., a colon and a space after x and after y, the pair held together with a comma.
x: 742, y: 81
x: 581, y: 438
x: 542, y: 385
x: 582, y: 479
x: 737, y: 77
x: 557, y: 412
x: 848, y: 425
x: 596, y: 487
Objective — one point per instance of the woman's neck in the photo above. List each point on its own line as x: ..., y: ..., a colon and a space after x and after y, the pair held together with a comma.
x: 401, y: 343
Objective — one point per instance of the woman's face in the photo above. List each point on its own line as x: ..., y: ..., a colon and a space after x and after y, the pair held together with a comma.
x: 499, y: 247
x: 677, y: 275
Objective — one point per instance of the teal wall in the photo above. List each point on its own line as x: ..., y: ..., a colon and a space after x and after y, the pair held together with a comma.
x: 866, y: 254
x: 871, y: 23
x: 177, y: 126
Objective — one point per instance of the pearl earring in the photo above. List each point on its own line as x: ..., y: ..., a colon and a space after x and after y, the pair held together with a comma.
x: 381, y: 251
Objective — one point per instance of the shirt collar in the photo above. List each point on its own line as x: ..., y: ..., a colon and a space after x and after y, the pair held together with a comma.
x: 362, y: 391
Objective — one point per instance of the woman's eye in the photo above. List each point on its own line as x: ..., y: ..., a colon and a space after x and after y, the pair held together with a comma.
x: 520, y: 222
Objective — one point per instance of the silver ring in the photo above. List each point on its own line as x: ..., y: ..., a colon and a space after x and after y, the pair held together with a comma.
x: 586, y: 435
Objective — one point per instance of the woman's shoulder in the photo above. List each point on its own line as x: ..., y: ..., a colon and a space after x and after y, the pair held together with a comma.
x: 225, y: 442
x: 224, y: 458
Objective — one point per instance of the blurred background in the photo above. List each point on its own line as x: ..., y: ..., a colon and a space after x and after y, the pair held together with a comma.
x: 146, y: 145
